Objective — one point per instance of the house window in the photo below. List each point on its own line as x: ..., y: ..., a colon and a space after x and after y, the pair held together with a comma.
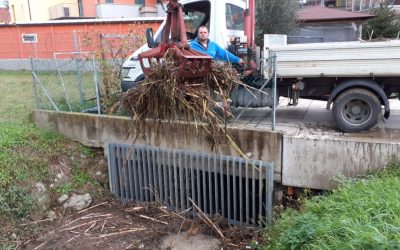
x: 109, y: 1
x: 66, y: 11
x: 139, y: 2
x: 29, y: 38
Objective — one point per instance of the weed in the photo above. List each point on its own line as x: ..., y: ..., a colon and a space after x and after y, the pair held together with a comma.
x: 86, y: 151
x: 65, y: 188
x: 15, y: 202
x: 361, y: 214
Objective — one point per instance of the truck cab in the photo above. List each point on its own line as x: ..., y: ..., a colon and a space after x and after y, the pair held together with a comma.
x: 224, y: 19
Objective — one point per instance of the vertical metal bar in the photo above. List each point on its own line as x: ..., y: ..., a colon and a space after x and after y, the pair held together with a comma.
x: 140, y: 168
x: 198, y: 180
x: 176, y: 180
x: 240, y: 192
x: 210, y: 193
x: 111, y: 163
x: 150, y: 187
x: 274, y: 94
x: 160, y: 183
x: 270, y: 191
x: 125, y: 172
x: 130, y: 171
x: 187, y: 182
x: 234, y: 165
x: 203, y: 168
x: 216, y: 185
x: 145, y: 174
x: 97, y: 86
x: 228, y: 182
x: 135, y: 161
x: 78, y: 72
x: 34, y: 87
x: 192, y: 175
x: 181, y: 184
x: 253, y: 193
x: 170, y: 197
x: 165, y: 174
x: 261, y: 167
x: 221, y: 168
x: 154, y: 164
x: 247, y: 193
x: 119, y: 172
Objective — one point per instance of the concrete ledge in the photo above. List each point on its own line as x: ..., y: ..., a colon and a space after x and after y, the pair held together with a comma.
x: 98, y: 130
x: 313, y: 161
x: 301, y: 160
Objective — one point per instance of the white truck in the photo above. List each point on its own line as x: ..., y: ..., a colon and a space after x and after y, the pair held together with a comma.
x: 356, y: 77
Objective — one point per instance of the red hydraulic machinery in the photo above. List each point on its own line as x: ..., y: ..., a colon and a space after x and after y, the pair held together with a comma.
x: 191, y: 63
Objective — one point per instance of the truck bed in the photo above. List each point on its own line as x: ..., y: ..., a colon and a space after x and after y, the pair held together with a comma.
x: 346, y: 59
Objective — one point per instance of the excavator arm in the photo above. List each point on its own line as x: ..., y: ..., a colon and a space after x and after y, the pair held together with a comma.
x: 174, y: 40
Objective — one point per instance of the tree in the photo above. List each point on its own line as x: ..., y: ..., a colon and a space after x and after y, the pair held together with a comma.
x: 275, y: 17
x: 385, y: 24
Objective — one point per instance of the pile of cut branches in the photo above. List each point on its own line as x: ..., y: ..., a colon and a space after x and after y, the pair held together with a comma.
x: 163, y: 96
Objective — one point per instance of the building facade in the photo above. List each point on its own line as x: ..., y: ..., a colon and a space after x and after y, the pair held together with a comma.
x: 44, y: 10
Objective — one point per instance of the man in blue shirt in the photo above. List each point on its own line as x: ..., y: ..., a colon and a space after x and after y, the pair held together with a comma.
x: 206, y: 46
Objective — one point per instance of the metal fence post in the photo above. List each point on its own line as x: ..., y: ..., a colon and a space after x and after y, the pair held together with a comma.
x: 274, y: 91
x: 78, y: 72
x: 97, y: 85
x: 34, y: 85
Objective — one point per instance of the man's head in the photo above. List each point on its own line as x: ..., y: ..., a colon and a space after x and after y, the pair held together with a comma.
x: 202, y: 34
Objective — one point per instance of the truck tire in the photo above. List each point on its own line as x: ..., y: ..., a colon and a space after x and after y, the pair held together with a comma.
x: 356, y: 110
x: 126, y: 85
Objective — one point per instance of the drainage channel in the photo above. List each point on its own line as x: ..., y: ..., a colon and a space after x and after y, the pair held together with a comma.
x: 238, y: 189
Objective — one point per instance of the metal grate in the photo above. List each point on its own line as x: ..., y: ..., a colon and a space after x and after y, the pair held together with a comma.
x: 240, y: 190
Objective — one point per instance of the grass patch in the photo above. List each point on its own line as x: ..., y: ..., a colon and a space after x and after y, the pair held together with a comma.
x: 26, y: 153
x: 80, y: 177
x: 19, y: 97
x: 86, y: 151
x: 361, y: 214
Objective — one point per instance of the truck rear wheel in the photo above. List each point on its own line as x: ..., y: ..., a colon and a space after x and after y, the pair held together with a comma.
x: 356, y: 110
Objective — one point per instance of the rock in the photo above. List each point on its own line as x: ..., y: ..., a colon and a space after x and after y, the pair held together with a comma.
x: 78, y: 202
x: 14, y: 236
x: 41, y: 197
x: 60, y: 176
x: 62, y: 199
x: 98, y: 173
x: 51, y: 215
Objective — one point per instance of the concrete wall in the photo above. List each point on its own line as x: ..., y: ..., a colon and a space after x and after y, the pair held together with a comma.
x: 301, y: 161
x: 98, y: 130
x: 314, y: 161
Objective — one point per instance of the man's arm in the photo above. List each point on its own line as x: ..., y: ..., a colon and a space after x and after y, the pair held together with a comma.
x: 225, y: 55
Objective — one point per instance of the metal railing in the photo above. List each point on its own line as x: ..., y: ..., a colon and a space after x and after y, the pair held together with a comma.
x: 241, y: 191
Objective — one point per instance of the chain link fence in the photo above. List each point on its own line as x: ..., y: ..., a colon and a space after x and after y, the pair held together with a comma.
x: 68, y: 82
x: 87, y: 72
x: 16, y: 93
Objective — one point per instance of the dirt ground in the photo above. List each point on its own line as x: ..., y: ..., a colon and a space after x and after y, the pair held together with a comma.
x: 110, y: 224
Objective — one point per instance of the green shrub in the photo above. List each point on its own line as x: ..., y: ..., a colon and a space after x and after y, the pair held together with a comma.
x: 15, y: 202
x: 361, y: 214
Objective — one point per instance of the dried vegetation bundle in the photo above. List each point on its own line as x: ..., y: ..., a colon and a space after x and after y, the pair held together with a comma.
x: 163, y: 96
